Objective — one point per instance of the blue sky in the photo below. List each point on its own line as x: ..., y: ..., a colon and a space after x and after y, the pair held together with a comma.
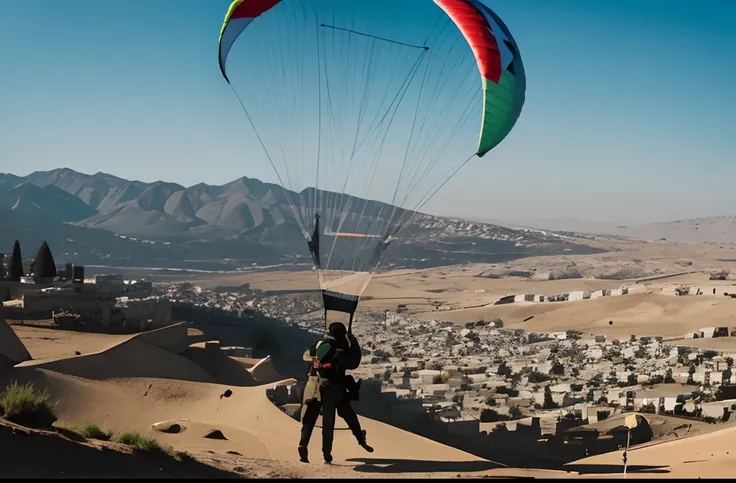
x: 630, y: 110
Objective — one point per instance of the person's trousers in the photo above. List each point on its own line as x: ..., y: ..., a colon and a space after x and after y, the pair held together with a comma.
x: 334, y: 398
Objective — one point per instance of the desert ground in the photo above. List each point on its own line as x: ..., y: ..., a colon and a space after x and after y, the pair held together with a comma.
x: 134, y: 382
x: 131, y: 383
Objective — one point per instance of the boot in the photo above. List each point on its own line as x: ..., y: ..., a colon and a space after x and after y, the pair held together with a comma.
x: 303, y: 453
x: 328, y: 456
x: 362, y: 442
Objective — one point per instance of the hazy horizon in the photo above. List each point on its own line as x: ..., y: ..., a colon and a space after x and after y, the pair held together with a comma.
x: 628, y: 114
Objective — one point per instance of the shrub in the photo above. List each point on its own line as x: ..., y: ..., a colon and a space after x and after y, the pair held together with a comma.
x: 574, y: 334
x: 509, y: 391
x: 648, y: 409
x: 558, y: 369
x: 140, y: 442
x: 22, y: 404
x: 92, y: 431
x: 538, y: 377
x: 491, y: 416
x: 504, y: 370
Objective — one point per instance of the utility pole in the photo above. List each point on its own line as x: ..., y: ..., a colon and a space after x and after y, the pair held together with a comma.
x: 626, y: 451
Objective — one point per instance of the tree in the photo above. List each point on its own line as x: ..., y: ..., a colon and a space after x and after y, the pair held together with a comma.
x: 668, y: 379
x: 549, y: 403
x: 727, y: 376
x: 44, y: 265
x: 631, y: 380
x: 490, y: 416
x: 649, y: 408
x: 574, y: 334
x: 505, y: 390
x: 504, y: 370
x: 515, y: 412
x: 537, y: 377
x: 15, y: 267
x: 658, y: 379
x: 558, y: 369
x: 596, y: 380
x: 515, y: 379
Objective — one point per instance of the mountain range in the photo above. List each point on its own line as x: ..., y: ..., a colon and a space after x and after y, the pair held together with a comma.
x: 102, y: 218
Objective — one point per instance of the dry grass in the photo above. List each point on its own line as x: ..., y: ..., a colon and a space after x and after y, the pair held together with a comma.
x: 148, y: 445
x: 89, y: 431
x: 23, y: 404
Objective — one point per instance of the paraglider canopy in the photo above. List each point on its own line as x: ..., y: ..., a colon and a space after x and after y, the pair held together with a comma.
x: 365, y: 109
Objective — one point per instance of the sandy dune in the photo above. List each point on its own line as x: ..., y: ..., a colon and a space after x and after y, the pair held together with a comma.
x: 639, y: 314
x: 709, y: 455
x: 136, y: 384
x: 45, y: 344
x: 253, y: 426
x: 45, y: 454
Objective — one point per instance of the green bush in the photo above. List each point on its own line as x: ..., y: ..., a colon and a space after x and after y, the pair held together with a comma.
x: 22, y: 404
x: 89, y: 431
x: 94, y: 432
x: 141, y: 443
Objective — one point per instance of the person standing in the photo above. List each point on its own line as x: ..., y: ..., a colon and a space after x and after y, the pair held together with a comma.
x: 331, y: 390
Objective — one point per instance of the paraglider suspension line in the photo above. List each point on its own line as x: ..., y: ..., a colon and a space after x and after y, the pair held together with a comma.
x: 438, y: 186
x: 268, y: 155
x: 374, y: 37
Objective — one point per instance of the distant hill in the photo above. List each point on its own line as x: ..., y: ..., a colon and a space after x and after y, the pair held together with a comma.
x: 108, y: 219
x: 717, y: 229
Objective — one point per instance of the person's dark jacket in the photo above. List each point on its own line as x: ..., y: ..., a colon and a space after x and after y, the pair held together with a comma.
x: 346, y: 355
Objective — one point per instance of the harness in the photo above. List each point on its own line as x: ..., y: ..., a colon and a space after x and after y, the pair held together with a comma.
x: 319, y: 365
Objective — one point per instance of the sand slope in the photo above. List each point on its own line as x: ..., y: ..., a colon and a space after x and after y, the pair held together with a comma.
x: 223, y: 368
x: 131, y: 358
x: 652, y: 314
x: 45, y: 454
x: 264, y: 372
x: 47, y: 343
x: 134, y: 385
x: 253, y: 426
x: 709, y: 455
